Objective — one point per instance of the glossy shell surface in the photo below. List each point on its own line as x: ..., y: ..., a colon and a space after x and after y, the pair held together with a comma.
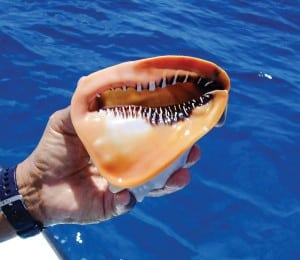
x: 127, y: 148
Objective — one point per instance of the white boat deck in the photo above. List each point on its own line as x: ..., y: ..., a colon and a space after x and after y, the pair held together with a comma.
x: 34, y: 248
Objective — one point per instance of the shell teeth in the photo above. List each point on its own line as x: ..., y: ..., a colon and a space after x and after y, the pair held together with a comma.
x: 153, y: 117
x: 130, y: 111
x: 151, y: 85
x: 186, y: 78
x: 186, y: 112
x: 174, y: 79
x: 139, y: 112
x: 123, y: 111
x: 208, y: 83
x: 139, y: 87
x: 164, y: 82
x: 169, y: 114
x: 161, y: 115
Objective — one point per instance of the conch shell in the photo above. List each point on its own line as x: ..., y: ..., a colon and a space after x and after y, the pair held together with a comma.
x: 137, y: 118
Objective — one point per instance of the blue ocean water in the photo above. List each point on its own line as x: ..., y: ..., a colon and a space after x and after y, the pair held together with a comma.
x: 244, y: 198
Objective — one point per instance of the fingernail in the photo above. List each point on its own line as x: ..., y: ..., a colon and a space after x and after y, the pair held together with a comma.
x: 189, y: 164
x: 131, y: 202
x: 193, y: 157
x: 123, y: 208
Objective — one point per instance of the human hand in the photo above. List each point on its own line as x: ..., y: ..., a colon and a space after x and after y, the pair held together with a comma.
x: 60, y: 185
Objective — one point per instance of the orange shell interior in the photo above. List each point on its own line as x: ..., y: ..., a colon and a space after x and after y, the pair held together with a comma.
x: 129, y: 152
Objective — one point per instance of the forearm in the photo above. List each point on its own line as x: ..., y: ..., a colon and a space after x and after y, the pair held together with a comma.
x: 29, y: 186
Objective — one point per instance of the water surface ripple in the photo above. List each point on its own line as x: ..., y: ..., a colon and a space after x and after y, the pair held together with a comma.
x: 244, y: 198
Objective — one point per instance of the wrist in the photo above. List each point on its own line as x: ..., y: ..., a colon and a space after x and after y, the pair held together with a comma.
x: 29, y: 186
x: 13, y: 205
